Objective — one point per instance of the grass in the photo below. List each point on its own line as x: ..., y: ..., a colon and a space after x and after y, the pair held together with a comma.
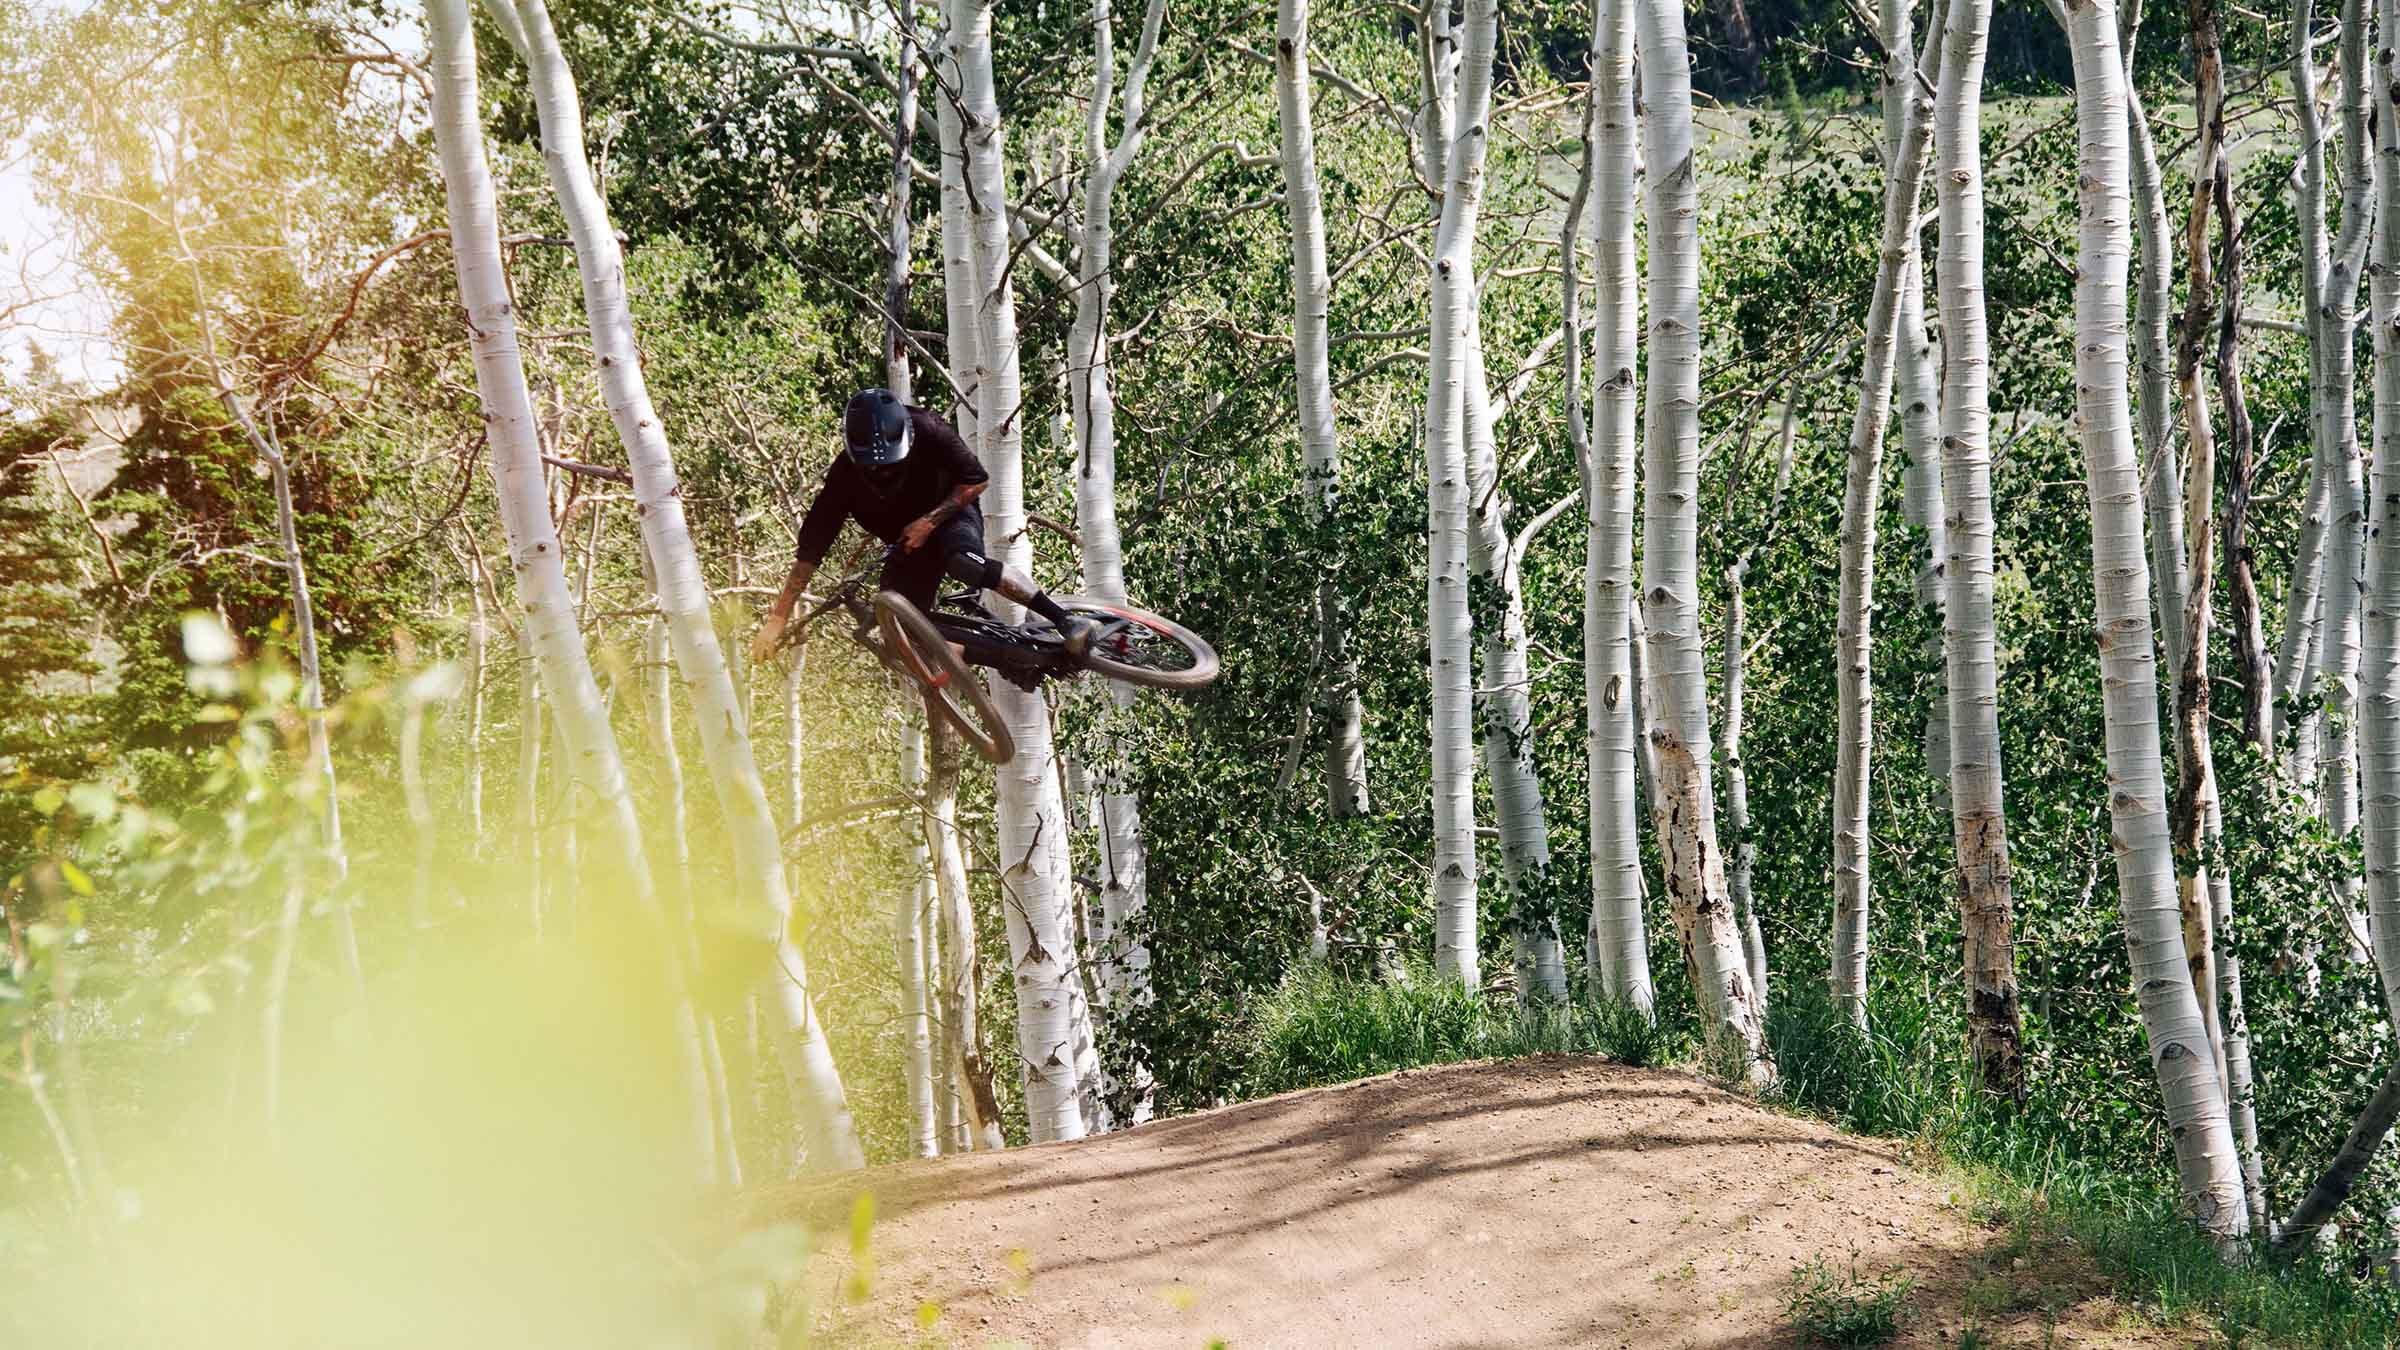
x: 2024, y: 1175
x: 1830, y: 1305
x: 1320, y: 1027
x: 2021, y: 1171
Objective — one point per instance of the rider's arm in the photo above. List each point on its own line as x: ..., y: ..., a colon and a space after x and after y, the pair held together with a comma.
x: 818, y: 530
x: 957, y: 501
x: 770, y: 631
x: 941, y: 442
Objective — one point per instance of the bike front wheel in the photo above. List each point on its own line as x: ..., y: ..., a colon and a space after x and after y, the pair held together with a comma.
x: 918, y: 650
x: 1142, y: 648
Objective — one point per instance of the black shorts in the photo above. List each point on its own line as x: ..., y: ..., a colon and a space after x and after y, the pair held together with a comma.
x: 955, y: 550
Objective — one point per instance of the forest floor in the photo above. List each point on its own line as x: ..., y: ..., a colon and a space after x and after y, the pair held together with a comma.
x: 1555, y: 1201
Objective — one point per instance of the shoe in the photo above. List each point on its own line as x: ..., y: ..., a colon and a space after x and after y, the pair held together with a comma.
x: 1079, y: 635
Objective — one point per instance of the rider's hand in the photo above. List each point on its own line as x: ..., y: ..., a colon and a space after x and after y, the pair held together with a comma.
x: 770, y: 636
x: 918, y: 531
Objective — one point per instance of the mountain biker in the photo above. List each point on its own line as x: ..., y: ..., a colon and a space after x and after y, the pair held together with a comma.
x: 910, y: 480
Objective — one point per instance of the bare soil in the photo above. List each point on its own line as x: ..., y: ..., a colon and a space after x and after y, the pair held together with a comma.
x: 1560, y: 1201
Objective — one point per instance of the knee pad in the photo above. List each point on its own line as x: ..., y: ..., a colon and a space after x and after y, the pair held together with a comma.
x: 975, y: 570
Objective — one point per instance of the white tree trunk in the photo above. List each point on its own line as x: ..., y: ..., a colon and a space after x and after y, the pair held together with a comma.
x: 1907, y: 117
x: 2336, y: 329
x: 682, y: 587
x: 961, y: 987
x: 1451, y: 631
x: 1124, y: 960
x: 2328, y: 286
x: 2195, y: 1100
x: 508, y: 416
x: 1920, y: 396
x: 1737, y: 683
x: 1320, y: 448
x: 1732, y: 1009
x: 1979, y: 824
x: 550, y: 623
x: 1611, y: 683
x: 2205, y: 893
x: 2379, y: 702
x: 916, y: 900
x: 1507, y: 702
x: 2162, y: 467
x: 1037, y: 892
x: 898, y: 229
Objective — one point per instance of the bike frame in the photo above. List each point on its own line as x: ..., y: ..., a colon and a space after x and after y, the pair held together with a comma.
x: 1020, y: 655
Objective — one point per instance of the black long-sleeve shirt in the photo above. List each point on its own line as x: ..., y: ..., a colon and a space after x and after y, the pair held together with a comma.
x: 938, y: 462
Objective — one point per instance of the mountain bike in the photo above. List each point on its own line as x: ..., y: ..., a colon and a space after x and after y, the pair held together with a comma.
x: 932, y: 650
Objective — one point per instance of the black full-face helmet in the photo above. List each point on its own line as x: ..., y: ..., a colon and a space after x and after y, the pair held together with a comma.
x: 876, y: 428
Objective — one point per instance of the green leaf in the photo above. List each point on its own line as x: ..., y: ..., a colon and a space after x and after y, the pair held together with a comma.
x: 48, y: 800
x: 76, y: 880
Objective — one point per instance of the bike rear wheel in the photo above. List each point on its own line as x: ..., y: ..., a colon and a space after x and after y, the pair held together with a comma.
x: 918, y: 650
x: 1142, y: 648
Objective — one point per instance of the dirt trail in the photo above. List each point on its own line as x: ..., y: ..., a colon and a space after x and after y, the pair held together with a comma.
x: 1549, y: 1202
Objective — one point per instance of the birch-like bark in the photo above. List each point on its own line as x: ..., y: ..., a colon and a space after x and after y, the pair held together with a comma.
x: 2379, y: 702
x: 1920, y: 396
x: 2188, y: 653
x: 2249, y: 635
x: 961, y: 311
x: 1907, y: 116
x: 2162, y: 461
x: 1505, y: 710
x: 2336, y: 324
x: 1922, y: 503
x: 916, y: 899
x: 963, y: 1057
x: 1737, y: 670
x: 1440, y: 57
x: 2303, y: 653
x: 2332, y: 1188
x: 1611, y: 683
x: 1978, y: 815
x: 2206, y: 893
x: 549, y: 607
x: 539, y: 567
x: 962, y: 980
x: 1344, y: 711
x: 2206, y: 1161
x: 898, y: 228
x: 1448, y: 503
x: 1124, y: 870
x: 2250, y: 652
x: 1037, y: 893
x: 1732, y: 1009
x: 683, y: 597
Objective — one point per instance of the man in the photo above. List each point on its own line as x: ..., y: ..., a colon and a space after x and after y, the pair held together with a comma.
x: 908, y: 479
